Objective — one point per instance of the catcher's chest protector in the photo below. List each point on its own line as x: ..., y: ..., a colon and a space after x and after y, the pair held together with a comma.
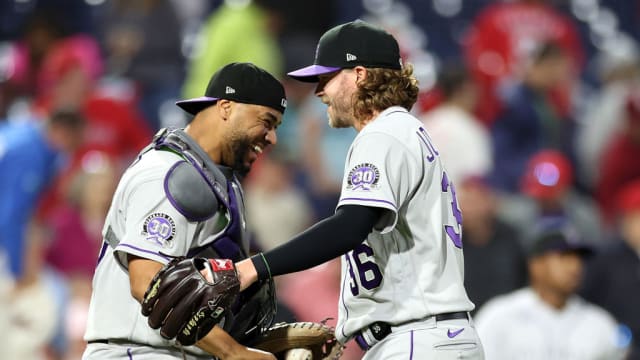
x: 214, y: 192
x: 255, y: 308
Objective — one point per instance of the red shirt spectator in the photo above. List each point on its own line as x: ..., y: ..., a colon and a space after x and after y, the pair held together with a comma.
x: 620, y: 163
x: 113, y: 125
x: 503, y: 35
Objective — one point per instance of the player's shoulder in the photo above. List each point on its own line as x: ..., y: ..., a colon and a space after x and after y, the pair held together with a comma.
x: 594, y: 313
x: 149, y: 168
x: 394, y: 123
x: 155, y: 161
x: 393, y: 119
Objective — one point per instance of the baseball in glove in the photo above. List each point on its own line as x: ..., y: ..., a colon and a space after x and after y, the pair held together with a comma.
x: 183, y: 304
x: 315, y: 341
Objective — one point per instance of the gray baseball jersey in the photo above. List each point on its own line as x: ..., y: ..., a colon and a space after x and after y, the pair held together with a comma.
x: 411, y: 265
x: 145, y: 222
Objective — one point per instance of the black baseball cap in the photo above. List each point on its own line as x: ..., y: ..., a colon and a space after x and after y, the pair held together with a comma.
x: 560, y: 239
x: 346, y: 46
x: 240, y: 82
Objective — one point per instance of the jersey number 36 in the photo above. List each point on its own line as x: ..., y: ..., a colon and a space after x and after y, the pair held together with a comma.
x: 368, y: 271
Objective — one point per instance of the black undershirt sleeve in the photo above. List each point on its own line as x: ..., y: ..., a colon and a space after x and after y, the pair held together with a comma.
x: 326, y: 240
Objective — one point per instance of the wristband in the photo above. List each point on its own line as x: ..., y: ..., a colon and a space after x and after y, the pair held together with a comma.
x: 262, y: 268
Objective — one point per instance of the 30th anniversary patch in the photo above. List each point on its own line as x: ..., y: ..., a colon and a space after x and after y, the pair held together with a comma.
x: 363, y: 177
x: 159, y: 228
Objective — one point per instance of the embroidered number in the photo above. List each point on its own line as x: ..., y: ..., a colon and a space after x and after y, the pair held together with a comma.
x: 157, y: 227
x: 454, y: 232
x: 369, y: 273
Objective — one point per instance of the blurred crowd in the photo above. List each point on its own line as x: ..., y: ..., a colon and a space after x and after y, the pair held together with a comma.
x: 534, y: 106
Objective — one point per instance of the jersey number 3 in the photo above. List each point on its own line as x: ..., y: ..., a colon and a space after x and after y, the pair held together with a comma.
x: 454, y: 232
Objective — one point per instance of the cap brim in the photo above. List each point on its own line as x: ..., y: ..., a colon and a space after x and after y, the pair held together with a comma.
x: 582, y: 250
x: 310, y: 73
x: 195, y: 105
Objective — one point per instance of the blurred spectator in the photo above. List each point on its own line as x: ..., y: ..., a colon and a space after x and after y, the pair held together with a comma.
x: 613, y: 277
x: 34, y: 315
x: 76, y: 225
x: 549, y: 194
x: 276, y: 209
x: 75, y: 321
x: 79, y: 53
x: 500, y: 40
x: 73, y: 68
x: 620, y: 163
x: 463, y: 142
x: 24, y: 57
x: 529, y: 122
x: 547, y: 320
x: 605, y: 112
x: 33, y: 153
x: 143, y: 42
x: 237, y: 31
x: 113, y: 125
x: 323, y: 153
x: 297, y: 51
x: 488, y: 237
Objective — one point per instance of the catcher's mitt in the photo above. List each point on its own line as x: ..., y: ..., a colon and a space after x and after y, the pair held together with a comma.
x: 315, y: 337
x: 183, y: 304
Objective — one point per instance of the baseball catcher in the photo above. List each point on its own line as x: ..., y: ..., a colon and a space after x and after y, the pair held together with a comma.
x: 188, y: 297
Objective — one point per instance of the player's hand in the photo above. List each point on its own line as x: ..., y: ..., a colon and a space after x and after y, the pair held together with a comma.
x: 220, y: 344
x: 247, y: 273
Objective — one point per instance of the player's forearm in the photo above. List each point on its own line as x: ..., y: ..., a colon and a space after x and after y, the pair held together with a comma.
x: 324, y: 241
x: 141, y: 271
x: 220, y: 344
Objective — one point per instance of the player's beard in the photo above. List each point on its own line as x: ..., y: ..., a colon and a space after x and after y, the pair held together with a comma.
x: 340, y: 110
x: 239, y: 147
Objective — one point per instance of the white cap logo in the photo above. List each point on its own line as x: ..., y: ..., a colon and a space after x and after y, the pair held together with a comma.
x: 230, y: 90
x: 283, y: 102
x: 351, y: 57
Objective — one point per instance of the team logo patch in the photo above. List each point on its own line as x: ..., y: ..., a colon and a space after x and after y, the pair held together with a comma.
x: 159, y: 228
x: 363, y: 177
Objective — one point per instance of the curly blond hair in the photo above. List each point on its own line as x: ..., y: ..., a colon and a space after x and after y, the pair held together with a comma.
x: 383, y: 88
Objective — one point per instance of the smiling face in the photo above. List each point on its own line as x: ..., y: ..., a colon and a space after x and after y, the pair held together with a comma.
x: 251, y: 129
x: 336, y: 90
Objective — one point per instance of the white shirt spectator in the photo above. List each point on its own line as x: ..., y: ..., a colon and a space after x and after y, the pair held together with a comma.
x: 462, y: 141
x: 521, y: 326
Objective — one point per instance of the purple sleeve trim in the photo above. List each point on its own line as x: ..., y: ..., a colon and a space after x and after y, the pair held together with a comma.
x: 144, y: 251
x: 371, y: 200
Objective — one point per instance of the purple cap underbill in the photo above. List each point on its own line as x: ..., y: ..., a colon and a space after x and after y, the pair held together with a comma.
x: 193, y: 106
x: 310, y: 73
